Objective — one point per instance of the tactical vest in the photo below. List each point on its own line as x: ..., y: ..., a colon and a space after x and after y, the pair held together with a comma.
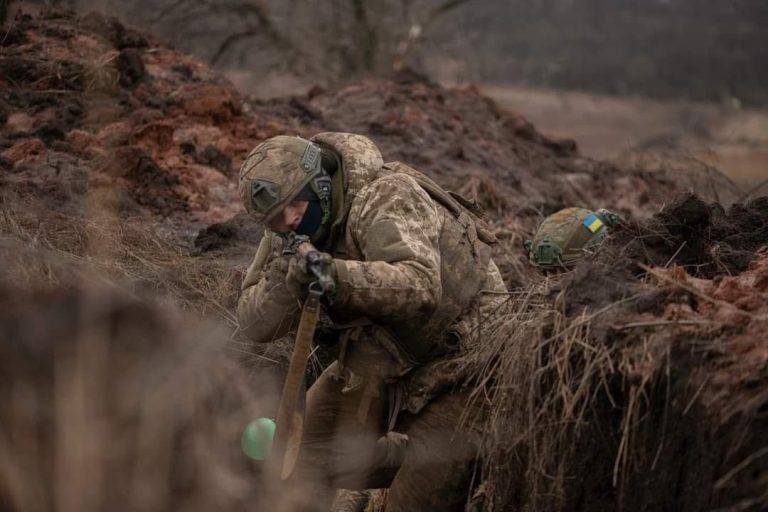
x: 465, y: 253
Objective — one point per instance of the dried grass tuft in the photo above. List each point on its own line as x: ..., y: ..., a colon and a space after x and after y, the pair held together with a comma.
x: 539, y: 375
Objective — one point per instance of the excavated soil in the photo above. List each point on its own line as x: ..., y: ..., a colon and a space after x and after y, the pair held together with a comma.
x: 702, y: 239
x: 88, y: 105
x: 644, y: 368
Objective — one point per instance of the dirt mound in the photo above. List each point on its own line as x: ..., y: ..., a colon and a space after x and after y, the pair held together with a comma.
x: 466, y: 141
x: 238, y: 232
x: 88, y: 104
x: 704, y: 238
x: 644, y: 368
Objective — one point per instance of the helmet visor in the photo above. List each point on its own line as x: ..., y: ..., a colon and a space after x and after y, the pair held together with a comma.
x: 264, y: 196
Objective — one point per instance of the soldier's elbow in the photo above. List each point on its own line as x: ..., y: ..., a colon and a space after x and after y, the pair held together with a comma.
x: 259, y: 332
x: 256, y: 335
x: 262, y: 326
x: 250, y: 329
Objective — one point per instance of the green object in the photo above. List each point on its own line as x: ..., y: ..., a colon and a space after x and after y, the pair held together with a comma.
x: 567, y: 236
x: 257, y: 438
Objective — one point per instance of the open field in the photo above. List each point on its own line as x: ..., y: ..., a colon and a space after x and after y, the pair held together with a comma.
x: 732, y: 139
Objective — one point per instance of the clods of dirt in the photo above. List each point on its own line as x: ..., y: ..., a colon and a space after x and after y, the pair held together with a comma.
x: 126, y: 109
x: 646, y: 365
x: 702, y: 237
x: 239, y: 230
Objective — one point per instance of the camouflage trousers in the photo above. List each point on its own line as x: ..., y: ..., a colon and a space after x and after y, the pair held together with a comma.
x: 346, y: 446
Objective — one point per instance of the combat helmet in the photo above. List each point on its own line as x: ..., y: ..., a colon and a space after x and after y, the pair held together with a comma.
x: 276, y: 171
x: 568, y: 235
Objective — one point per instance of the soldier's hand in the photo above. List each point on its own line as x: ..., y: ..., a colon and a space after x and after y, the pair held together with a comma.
x: 305, y: 249
x: 298, y: 277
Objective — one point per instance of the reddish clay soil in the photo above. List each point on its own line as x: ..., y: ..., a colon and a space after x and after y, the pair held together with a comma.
x: 88, y: 104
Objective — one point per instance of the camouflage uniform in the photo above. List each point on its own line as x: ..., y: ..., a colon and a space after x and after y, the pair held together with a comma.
x: 402, y: 272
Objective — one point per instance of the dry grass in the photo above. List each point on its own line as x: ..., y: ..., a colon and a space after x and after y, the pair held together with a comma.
x: 122, y: 382
x: 605, y: 408
x: 130, y: 255
x: 125, y: 252
x: 539, y: 375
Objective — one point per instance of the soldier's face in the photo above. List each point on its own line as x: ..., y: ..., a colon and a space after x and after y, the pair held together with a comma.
x: 289, y: 218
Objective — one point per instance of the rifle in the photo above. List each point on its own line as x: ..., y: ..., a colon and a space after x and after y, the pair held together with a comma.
x: 290, y: 415
x: 292, y: 245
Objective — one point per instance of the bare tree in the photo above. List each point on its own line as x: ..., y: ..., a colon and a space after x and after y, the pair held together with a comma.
x: 416, y: 30
x: 258, y: 22
x: 327, y: 39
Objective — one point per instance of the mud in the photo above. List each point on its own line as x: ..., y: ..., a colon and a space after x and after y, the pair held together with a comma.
x: 131, y: 67
x: 237, y: 231
x: 87, y: 85
x: 135, y: 115
x: 704, y: 238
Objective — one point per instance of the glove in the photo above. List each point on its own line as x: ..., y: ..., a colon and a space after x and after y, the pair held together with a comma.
x: 298, y: 277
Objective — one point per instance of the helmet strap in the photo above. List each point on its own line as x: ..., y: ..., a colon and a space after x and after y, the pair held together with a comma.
x: 320, y: 183
x: 317, y: 219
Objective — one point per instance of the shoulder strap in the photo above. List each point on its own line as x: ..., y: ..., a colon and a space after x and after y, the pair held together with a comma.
x: 453, y: 202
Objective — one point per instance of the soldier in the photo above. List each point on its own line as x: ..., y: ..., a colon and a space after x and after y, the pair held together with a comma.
x: 413, y: 279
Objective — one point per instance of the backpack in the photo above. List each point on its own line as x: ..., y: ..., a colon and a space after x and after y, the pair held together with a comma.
x: 465, y: 254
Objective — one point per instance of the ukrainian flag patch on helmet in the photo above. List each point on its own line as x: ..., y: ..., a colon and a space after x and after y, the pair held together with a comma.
x: 593, y: 223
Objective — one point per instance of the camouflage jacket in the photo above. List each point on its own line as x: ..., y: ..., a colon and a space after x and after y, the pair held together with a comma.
x: 387, y: 256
